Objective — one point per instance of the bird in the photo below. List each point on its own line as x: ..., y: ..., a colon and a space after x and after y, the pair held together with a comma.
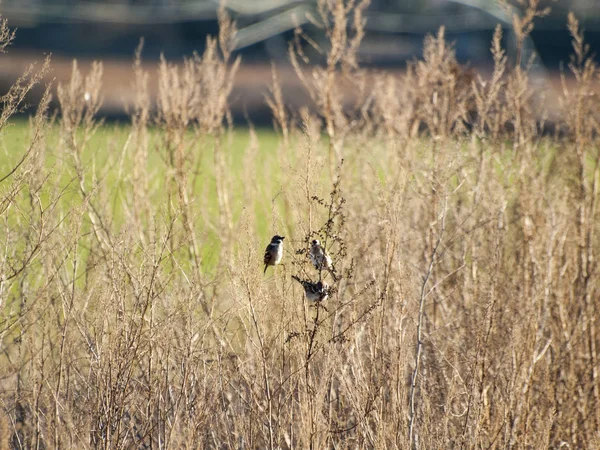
x: 274, y: 252
x: 315, y: 292
x: 319, y: 257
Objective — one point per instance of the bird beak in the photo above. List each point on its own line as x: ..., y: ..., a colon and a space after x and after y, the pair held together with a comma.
x: 282, y: 238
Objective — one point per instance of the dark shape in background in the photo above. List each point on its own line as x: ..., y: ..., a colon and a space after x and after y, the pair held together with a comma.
x: 110, y: 31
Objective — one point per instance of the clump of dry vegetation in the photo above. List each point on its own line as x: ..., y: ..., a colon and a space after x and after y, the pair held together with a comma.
x: 135, y: 314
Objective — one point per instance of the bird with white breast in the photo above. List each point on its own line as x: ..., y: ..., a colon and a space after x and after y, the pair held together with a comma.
x: 274, y: 252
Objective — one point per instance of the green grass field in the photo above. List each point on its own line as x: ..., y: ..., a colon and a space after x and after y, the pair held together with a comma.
x: 108, y: 162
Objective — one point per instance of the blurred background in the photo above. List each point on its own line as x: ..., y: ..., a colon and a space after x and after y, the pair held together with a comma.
x: 110, y: 30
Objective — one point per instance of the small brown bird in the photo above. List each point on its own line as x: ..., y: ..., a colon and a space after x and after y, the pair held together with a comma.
x: 319, y: 257
x: 315, y: 292
x: 274, y: 252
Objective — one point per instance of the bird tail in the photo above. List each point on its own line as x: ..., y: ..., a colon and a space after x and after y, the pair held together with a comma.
x: 297, y: 279
x: 265, y: 271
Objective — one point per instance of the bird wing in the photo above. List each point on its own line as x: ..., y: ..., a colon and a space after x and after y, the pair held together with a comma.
x: 313, y: 255
x: 269, y: 254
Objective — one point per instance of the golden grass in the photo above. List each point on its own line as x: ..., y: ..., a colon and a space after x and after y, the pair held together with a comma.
x: 463, y: 237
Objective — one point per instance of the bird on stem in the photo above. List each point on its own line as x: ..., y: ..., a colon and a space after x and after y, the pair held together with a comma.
x: 315, y: 292
x: 319, y: 257
x: 274, y: 252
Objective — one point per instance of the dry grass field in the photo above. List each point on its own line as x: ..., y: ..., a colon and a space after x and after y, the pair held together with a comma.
x: 134, y: 312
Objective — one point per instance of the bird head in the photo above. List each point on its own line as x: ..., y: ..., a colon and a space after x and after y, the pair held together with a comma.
x: 322, y: 287
x: 277, y: 239
x: 316, y: 242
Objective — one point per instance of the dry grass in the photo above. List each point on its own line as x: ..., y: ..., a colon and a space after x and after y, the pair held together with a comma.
x: 464, y: 240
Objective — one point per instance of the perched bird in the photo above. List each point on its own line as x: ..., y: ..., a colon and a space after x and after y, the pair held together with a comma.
x: 274, y: 252
x: 319, y: 257
x: 315, y: 292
